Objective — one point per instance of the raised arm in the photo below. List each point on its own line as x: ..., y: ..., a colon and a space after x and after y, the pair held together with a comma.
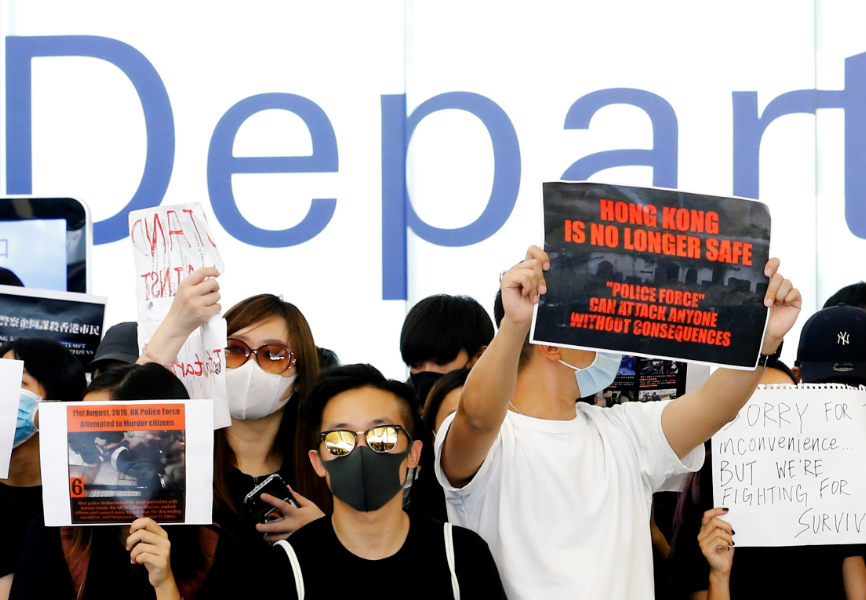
x: 196, y: 301
x: 490, y: 385
x: 694, y: 417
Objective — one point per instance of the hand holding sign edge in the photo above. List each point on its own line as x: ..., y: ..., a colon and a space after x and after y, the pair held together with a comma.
x: 196, y: 301
x: 522, y: 285
x: 784, y: 302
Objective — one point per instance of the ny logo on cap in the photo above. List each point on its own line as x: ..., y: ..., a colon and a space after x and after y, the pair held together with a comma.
x: 842, y: 338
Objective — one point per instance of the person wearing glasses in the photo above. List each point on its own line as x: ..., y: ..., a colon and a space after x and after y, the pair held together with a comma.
x: 562, y: 490
x: 363, y: 443
x: 272, y: 361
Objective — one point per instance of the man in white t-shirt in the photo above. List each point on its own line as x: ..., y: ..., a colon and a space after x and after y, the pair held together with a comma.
x: 561, y: 491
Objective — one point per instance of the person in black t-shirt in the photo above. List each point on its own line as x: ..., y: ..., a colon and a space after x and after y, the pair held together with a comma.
x: 363, y: 427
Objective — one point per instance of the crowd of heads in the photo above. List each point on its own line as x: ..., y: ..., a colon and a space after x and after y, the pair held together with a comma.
x: 441, y: 339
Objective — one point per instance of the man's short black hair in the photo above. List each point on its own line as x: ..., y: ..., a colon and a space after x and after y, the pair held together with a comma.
x: 337, y: 380
x: 438, y: 327
x: 498, y: 309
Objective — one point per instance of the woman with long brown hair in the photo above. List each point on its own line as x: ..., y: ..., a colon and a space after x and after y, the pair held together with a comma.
x: 272, y: 362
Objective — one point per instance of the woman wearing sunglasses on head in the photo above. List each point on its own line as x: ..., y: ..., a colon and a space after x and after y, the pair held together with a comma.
x: 272, y: 361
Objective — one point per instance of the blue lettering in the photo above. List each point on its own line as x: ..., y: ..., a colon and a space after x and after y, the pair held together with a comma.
x: 222, y: 164
x: 397, y: 210
x: 663, y: 155
x: 749, y: 128
x: 158, y: 119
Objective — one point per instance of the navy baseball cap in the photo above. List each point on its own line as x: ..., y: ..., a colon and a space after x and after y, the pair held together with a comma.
x: 833, y: 345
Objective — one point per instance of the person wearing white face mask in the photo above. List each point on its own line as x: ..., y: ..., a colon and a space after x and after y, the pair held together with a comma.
x: 51, y: 372
x: 272, y: 361
x: 559, y: 489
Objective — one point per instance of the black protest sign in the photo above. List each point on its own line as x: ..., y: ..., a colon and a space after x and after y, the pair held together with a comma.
x: 654, y: 272
x: 74, y: 320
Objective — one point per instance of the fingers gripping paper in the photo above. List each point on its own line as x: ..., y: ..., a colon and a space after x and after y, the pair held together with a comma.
x: 790, y: 467
x: 169, y: 243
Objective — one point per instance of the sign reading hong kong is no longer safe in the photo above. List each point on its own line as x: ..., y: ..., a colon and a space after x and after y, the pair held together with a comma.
x: 654, y: 272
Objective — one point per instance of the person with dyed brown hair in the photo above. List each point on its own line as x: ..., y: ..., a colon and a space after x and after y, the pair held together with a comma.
x: 272, y: 362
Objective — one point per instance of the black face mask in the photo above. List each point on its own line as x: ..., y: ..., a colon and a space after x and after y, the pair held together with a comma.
x: 422, y: 382
x: 364, y: 479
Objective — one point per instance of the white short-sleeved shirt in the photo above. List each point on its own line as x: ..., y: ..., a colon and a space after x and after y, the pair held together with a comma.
x: 565, y: 505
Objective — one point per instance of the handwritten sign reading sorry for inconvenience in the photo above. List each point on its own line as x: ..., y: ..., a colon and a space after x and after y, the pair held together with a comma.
x: 654, y: 272
x: 791, y: 469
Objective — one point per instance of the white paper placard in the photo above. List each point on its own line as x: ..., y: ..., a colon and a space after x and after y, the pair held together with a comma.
x: 10, y: 387
x: 100, y: 463
x: 792, y: 467
x: 169, y: 243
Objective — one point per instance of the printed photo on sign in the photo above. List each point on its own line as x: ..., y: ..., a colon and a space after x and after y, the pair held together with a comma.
x: 790, y: 467
x: 122, y: 474
x: 120, y: 461
x: 654, y: 272
x: 75, y: 320
x: 644, y: 380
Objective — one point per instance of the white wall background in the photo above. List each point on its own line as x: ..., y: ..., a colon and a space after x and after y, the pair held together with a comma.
x: 533, y: 59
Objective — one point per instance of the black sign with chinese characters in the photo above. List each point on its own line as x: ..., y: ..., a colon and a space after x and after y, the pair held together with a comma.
x: 74, y: 320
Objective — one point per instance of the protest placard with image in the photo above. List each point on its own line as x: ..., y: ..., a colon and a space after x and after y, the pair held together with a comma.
x: 113, y: 462
x: 654, y: 272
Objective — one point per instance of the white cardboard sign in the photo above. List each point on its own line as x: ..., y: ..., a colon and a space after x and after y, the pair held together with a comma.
x: 10, y: 387
x: 790, y: 467
x: 169, y: 243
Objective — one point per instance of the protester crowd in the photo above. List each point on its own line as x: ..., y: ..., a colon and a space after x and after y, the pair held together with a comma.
x: 482, y: 476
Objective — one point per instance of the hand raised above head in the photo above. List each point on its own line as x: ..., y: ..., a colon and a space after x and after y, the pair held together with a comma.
x: 523, y: 284
x: 196, y: 301
x: 784, y: 302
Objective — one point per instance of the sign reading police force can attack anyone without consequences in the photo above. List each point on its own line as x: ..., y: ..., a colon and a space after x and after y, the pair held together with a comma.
x: 790, y: 467
x: 169, y: 243
x: 654, y: 272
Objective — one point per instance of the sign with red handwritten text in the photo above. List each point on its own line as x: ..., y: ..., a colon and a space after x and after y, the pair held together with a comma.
x: 654, y: 272
x: 790, y: 467
x: 169, y: 243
